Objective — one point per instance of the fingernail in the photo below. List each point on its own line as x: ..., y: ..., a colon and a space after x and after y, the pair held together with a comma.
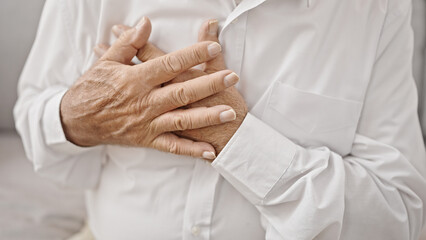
x: 213, y: 26
x: 140, y: 24
x: 227, y: 116
x: 214, y: 49
x: 117, y: 30
x: 209, y: 155
x: 231, y: 79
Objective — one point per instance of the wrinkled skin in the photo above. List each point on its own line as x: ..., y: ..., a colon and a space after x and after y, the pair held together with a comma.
x: 117, y: 103
x: 217, y: 135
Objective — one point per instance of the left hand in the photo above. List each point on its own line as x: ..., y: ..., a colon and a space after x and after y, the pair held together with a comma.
x: 218, y: 135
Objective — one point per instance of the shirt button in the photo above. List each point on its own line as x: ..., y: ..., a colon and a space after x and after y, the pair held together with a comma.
x: 195, y: 230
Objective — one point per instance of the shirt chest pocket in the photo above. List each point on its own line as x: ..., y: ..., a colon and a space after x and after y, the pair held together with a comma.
x: 312, y: 120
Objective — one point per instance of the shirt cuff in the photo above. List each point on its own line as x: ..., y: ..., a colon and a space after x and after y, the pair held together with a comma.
x: 255, y: 159
x: 53, y: 132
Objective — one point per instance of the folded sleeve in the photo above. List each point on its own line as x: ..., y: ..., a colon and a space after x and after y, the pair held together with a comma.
x: 375, y: 192
x: 53, y: 65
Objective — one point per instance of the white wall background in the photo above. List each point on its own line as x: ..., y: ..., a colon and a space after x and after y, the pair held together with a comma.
x: 18, y: 25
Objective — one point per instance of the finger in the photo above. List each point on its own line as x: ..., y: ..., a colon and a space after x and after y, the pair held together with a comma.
x: 178, y: 95
x: 119, y: 29
x: 100, y: 49
x: 194, y: 118
x: 126, y: 47
x: 167, y: 67
x: 169, y: 142
x: 148, y: 52
x: 209, y: 32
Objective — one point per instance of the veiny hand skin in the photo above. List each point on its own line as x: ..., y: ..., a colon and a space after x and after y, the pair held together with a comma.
x: 216, y: 135
x: 117, y: 103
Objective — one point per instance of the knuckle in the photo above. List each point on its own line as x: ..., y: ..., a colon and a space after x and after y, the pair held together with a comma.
x: 173, y: 148
x: 125, y: 36
x: 197, y: 55
x: 182, y: 96
x: 154, y: 129
x: 101, y: 67
x: 211, y: 119
x: 213, y: 85
x: 172, y: 64
x: 182, y: 122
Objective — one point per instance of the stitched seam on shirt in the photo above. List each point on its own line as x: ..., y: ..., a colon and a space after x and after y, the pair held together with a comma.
x: 293, y: 157
x: 269, y: 91
x: 66, y: 21
x: 388, y: 17
x: 375, y: 56
x: 243, y: 47
x: 381, y: 35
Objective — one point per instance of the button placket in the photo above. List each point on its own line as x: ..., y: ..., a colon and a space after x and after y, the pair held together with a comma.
x: 195, y: 230
x: 199, y: 206
x: 234, y: 29
x: 234, y: 43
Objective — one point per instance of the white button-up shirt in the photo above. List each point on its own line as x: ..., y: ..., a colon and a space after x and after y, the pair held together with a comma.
x: 331, y: 147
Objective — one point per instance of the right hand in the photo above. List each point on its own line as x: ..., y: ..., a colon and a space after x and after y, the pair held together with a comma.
x: 115, y: 103
x: 217, y: 135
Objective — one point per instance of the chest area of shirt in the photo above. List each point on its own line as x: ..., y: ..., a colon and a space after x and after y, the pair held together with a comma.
x: 304, y: 70
x: 307, y: 47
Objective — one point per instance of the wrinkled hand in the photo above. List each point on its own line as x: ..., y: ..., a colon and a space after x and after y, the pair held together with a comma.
x: 116, y: 103
x: 217, y: 135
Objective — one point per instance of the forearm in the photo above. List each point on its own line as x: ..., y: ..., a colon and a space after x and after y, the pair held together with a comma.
x: 314, y: 192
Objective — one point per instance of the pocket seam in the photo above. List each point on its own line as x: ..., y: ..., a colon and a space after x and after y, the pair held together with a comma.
x: 312, y: 128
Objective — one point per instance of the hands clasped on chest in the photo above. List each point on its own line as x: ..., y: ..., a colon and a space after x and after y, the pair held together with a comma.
x: 162, y: 103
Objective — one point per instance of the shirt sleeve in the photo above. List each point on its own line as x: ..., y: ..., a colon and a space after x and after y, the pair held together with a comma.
x: 52, y: 66
x: 375, y: 192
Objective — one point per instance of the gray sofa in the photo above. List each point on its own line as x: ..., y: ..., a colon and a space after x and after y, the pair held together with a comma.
x: 41, y: 214
x: 419, y: 60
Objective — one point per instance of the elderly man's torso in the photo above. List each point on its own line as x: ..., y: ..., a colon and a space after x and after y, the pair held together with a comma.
x: 286, y: 54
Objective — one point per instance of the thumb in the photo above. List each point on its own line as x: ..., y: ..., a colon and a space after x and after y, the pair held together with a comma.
x: 208, y: 32
x: 129, y: 42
